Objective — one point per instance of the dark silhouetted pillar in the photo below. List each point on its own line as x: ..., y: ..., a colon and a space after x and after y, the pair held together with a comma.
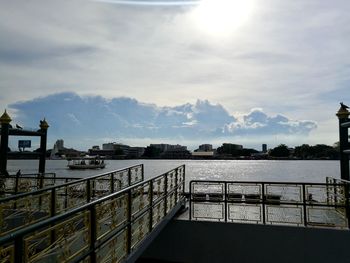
x: 43, y: 140
x: 5, y: 126
x: 343, y: 115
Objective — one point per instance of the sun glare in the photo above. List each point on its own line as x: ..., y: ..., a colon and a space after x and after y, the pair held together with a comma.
x: 222, y: 17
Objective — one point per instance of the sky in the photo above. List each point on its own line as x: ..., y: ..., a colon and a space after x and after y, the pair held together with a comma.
x: 187, y: 72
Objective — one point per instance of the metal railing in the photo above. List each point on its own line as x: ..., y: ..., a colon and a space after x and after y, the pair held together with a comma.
x: 15, y: 184
x: 299, y: 204
x: 25, y: 209
x: 105, y: 230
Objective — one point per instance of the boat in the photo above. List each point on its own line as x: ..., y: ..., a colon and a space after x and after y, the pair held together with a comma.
x: 87, y: 162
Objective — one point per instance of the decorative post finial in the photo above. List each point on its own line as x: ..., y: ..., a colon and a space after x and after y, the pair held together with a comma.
x: 343, y: 112
x: 44, y: 125
x: 5, y: 118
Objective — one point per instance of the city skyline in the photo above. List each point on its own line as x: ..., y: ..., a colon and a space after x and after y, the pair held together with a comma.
x: 240, y: 59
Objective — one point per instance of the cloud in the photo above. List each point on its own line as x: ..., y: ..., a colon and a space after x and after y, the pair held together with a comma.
x: 290, y: 57
x: 259, y: 123
x: 82, y: 118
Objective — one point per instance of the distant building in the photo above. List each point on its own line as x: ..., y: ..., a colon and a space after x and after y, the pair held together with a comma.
x: 205, y: 148
x: 136, y: 152
x: 264, y: 148
x: 96, y: 147
x: 59, y: 144
x: 113, y: 146
x: 168, y: 147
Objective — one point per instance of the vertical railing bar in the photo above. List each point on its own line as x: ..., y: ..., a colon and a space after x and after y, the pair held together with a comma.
x: 151, y: 207
x: 16, y: 184
x: 129, y: 222
x: 176, y: 184
x: 112, y: 182
x: 88, y: 190
x: 190, y: 202
x: 142, y: 172
x: 129, y: 176
x: 263, y: 198
x: 165, y: 193
x: 52, y: 213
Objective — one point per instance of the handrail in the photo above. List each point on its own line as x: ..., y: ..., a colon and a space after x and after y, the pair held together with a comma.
x: 79, y: 180
x: 28, y: 208
x: 109, y: 228
x: 270, y: 202
x: 13, y: 183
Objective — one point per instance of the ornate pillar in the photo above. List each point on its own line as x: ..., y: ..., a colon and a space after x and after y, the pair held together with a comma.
x: 343, y: 116
x: 43, y: 140
x: 5, y: 120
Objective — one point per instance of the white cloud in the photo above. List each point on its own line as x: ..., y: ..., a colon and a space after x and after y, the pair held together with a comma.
x: 290, y: 57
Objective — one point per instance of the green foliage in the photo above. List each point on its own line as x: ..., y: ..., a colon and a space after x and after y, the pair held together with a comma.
x: 228, y: 149
x: 319, y: 151
x: 280, y: 151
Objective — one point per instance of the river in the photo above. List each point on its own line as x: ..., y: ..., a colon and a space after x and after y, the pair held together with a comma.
x: 240, y: 170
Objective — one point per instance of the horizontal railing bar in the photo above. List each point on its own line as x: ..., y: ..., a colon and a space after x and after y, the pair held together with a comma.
x: 261, y: 182
x: 15, y: 197
x: 277, y: 203
x: 347, y: 151
x: 60, y: 217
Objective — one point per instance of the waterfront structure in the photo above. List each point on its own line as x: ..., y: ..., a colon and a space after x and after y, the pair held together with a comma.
x: 7, y: 130
x: 117, y: 150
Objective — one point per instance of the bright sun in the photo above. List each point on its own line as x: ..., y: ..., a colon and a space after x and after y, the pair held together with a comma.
x: 222, y: 17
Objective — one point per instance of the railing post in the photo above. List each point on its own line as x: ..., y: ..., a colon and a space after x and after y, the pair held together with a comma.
x: 225, y: 200
x: 93, y: 235
x: 263, y: 203
x: 347, y: 203
x: 304, y: 205
x: 19, y: 249
x: 343, y: 116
